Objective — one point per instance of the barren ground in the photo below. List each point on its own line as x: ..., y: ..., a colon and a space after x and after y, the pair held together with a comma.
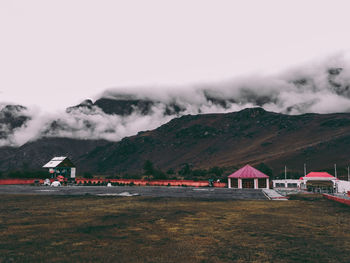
x: 147, y: 229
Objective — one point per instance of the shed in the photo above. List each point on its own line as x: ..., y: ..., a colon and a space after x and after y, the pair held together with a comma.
x: 61, y: 166
x: 248, y: 177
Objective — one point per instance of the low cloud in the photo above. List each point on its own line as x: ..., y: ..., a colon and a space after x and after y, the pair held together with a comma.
x: 320, y: 87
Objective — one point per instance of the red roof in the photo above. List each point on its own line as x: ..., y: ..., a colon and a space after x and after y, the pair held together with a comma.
x: 248, y: 172
x: 319, y: 174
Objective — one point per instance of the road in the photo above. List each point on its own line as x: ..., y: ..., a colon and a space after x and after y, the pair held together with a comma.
x: 153, y: 191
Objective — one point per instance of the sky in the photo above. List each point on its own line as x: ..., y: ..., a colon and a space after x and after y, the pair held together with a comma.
x: 55, y: 54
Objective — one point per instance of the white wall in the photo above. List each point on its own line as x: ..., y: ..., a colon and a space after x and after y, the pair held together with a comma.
x: 343, y: 186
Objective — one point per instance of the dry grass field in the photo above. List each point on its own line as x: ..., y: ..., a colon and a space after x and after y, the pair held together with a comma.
x: 139, y: 229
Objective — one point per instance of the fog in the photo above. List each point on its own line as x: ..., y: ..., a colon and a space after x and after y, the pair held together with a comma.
x: 318, y: 87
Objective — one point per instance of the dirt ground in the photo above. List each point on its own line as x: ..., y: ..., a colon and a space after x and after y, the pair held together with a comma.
x: 146, y: 229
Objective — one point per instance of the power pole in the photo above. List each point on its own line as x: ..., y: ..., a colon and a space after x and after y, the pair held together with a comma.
x: 304, y: 169
x: 348, y: 174
x: 285, y: 172
x: 335, y: 170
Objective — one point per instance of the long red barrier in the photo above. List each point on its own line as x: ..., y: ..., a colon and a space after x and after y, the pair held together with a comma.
x: 143, y: 182
x: 19, y: 181
x: 140, y: 182
x: 337, y: 199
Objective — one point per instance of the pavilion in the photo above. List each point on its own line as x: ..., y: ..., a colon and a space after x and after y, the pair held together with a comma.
x: 321, y: 182
x: 248, y: 177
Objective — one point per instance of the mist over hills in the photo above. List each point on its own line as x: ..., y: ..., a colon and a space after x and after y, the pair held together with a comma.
x: 204, y: 141
x: 124, y: 111
x: 203, y: 124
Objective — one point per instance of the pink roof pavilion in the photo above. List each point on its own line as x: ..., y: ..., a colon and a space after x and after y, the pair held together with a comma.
x: 248, y: 172
x: 319, y: 175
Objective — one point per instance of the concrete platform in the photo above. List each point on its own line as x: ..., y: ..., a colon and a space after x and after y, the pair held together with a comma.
x: 153, y: 191
x: 273, y: 195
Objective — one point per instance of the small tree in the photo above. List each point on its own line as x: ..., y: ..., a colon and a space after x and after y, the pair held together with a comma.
x: 170, y: 171
x: 88, y: 175
x: 217, y: 171
x: 148, y: 168
x: 158, y: 174
x: 185, y: 170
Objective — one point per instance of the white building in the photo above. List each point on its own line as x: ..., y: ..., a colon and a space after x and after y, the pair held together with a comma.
x: 286, y: 183
x: 61, y: 166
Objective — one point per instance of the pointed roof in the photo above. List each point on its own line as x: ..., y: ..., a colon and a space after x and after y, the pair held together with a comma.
x: 248, y: 172
x: 59, y: 161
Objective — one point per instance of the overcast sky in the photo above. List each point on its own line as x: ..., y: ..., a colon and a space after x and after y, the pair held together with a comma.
x: 57, y: 53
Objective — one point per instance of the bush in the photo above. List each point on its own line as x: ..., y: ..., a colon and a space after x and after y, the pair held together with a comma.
x: 170, y: 171
x: 148, y: 167
x: 88, y: 175
x: 159, y: 175
x: 217, y: 171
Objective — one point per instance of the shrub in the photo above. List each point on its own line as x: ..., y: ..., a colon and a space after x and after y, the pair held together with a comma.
x: 88, y: 175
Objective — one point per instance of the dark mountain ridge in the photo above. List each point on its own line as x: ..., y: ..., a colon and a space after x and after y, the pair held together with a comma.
x: 250, y: 136
x: 228, y: 140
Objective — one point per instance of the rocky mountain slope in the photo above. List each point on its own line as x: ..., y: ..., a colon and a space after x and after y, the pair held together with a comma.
x: 250, y: 136
x: 226, y: 140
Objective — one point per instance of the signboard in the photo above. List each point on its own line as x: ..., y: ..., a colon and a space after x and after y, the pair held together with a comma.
x: 72, y: 172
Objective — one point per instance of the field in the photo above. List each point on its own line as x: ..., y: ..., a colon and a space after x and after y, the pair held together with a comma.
x: 145, y: 229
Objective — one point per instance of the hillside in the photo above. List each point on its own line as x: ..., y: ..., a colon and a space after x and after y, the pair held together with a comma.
x: 226, y: 140
x: 203, y: 141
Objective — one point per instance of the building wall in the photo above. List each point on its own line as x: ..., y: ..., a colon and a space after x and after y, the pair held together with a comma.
x: 286, y: 183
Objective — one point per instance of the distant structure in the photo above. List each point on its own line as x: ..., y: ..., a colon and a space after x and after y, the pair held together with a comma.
x: 61, y: 166
x: 286, y: 183
x: 248, y: 177
x: 320, y: 182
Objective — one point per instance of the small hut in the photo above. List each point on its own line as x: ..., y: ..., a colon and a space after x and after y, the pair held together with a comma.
x: 61, y: 166
x: 248, y: 177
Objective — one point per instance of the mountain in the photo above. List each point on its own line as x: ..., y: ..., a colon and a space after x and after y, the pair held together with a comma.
x: 124, y: 111
x: 227, y: 140
x: 125, y: 106
x: 33, y: 155
x: 12, y: 117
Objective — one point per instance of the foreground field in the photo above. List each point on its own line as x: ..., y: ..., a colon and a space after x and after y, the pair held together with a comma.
x: 144, y: 229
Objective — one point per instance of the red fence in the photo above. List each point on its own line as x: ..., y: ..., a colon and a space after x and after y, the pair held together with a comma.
x: 19, y: 181
x: 143, y: 182
x: 337, y: 199
x: 140, y: 182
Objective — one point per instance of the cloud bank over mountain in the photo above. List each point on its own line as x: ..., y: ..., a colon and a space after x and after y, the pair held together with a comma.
x: 320, y: 87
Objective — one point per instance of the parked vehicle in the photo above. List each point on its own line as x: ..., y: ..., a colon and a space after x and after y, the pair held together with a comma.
x: 55, y: 184
x: 47, y: 182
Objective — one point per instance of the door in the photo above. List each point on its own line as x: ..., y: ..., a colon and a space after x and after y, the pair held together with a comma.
x: 247, y: 183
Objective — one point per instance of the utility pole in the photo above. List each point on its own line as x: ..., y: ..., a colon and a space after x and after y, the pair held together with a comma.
x: 304, y: 169
x: 348, y: 174
x: 335, y: 170
x: 285, y: 172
